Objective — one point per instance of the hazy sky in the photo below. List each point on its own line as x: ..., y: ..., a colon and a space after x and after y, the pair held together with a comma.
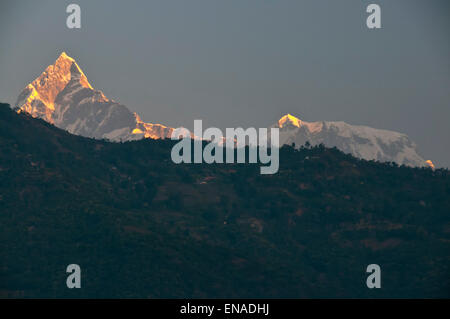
x: 247, y: 62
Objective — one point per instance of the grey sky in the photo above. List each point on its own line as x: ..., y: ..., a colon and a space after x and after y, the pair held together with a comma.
x: 247, y: 62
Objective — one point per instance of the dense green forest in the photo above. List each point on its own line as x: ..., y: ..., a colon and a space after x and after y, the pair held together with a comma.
x: 141, y: 226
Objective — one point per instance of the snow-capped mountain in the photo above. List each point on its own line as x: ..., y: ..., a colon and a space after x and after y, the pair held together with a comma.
x: 63, y: 96
x: 360, y: 141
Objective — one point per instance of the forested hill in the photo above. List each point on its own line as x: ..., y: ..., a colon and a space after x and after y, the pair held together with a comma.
x: 141, y: 226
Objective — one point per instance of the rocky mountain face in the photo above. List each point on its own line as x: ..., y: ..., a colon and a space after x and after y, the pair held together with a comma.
x: 360, y: 141
x: 62, y: 95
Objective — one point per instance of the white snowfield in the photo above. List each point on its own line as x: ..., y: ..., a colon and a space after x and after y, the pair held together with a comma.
x: 62, y: 95
x: 360, y: 141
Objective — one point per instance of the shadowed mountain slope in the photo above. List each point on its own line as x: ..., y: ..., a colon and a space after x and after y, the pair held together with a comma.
x: 140, y: 226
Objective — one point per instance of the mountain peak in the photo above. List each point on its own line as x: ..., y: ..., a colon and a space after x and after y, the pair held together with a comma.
x: 361, y: 141
x: 289, y: 119
x: 38, y: 97
x: 64, y: 56
x: 62, y: 95
x: 69, y: 66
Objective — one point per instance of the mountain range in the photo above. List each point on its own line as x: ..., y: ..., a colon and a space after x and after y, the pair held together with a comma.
x: 63, y: 96
x: 361, y: 141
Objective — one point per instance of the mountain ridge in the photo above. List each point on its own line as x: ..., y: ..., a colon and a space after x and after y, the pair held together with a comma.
x: 359, y: 140
x: 63, y: 96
